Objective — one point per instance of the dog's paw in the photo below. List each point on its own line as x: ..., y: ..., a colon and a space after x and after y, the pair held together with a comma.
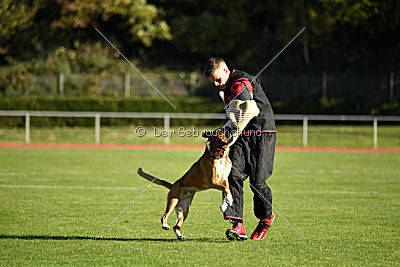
x: 164, y: 226
x: 182, y: 238
x: 223, y: 206
x: 229, y: 199
x: 178, y: 234
x: 139, y: 170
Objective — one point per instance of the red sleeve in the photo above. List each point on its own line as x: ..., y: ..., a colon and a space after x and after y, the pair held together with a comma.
x: 240, y: 84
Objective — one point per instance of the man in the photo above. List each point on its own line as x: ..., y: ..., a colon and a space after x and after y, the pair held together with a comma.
x: 252, y: 154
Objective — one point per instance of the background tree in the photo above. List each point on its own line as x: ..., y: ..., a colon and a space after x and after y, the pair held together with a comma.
x: 15, y: 16
x: 141, y: 18
x: 31, y: 29
x: 341, y: 36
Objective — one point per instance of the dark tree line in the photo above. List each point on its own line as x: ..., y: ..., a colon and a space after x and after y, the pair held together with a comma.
x: 342, y: 35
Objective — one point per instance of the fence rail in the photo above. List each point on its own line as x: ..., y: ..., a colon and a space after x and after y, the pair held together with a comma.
x: 168, y: 116
x: 369, y: 90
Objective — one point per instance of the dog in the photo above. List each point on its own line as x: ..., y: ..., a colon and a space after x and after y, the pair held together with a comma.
x: 210, y: 171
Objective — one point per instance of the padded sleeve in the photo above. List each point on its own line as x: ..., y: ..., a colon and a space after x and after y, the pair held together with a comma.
x: 239, y: 115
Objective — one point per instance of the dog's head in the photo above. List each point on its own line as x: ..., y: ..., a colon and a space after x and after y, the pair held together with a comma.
x: 217, y: 142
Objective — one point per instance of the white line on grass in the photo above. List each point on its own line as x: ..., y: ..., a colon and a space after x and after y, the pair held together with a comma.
x: 37, y: 180
x: 319, y: 192
x: 58, y: 187
x: 69, y: 187
x: 343, y: 192
x: 12, y: 173
x: 133, y: 200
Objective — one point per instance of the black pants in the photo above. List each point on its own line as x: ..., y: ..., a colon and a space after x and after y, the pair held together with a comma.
x: 252, y: 155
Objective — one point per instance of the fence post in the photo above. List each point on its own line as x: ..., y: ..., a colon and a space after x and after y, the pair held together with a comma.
x: 166, y: 128
x: 193, y: 80
x: 27, y: 127
x: 324, y: 85
x: 391, y: 87
x: 305, y: 131
x: 97, y: 128
x: 127, y: 81
x: 375, y: 132
x: 60, y: 84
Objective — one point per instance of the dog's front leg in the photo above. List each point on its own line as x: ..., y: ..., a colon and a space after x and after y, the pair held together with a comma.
x: 228, y: 199
x: 228, y: 196
x: 224, y: 205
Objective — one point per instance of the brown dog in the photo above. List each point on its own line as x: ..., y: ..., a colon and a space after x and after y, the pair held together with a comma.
x: 210, y: 171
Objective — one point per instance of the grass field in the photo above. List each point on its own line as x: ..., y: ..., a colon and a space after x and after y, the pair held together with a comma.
x: 55, y: 201
x: 288, y: 135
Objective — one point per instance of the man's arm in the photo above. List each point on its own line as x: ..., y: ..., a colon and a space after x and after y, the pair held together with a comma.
x: 241, y: 108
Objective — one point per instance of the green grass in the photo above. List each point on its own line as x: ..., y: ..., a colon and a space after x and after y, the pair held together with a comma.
x: 53, y: 202
x: 318, y: 136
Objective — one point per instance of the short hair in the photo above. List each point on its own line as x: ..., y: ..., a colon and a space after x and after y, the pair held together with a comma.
x: 212, y: 65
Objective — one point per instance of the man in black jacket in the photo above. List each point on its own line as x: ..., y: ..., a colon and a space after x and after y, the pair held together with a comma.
x: 252, y: 154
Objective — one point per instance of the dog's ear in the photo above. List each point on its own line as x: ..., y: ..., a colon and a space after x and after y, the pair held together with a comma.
x: 222, y: 137
x: 207, y: 134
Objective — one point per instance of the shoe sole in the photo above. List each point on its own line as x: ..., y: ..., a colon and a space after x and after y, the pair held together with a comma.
x: 234, y: 236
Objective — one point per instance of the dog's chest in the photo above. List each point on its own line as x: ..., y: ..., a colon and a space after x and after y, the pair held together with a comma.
x: 223, y: 168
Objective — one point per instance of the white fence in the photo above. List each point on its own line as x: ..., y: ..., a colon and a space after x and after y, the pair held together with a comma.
x: 168, y: 116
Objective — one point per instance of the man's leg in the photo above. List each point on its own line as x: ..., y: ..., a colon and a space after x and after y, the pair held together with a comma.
x: 262, y: 161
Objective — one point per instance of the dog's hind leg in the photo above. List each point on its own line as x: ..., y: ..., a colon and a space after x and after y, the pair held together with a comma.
x: 171, y: 203
x: 178, y: 224
x: 182, y: 211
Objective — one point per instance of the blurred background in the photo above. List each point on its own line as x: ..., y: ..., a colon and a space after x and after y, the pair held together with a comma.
x: 347, y: 61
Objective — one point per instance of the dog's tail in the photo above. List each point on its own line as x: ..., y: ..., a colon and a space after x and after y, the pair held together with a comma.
x: 153, y: 179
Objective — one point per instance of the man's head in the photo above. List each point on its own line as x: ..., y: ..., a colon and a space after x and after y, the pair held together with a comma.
x: 217, y: 71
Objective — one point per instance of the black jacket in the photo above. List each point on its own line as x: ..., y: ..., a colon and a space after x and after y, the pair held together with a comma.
x: 243, y: 86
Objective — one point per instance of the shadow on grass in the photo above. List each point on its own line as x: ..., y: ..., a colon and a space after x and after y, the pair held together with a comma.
x: 46, y: 237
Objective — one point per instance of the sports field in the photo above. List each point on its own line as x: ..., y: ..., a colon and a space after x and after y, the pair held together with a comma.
x: 54, y: 202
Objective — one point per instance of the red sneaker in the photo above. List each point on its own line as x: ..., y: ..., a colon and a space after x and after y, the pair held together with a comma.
x: 237, y: 231
x: 262, y: 228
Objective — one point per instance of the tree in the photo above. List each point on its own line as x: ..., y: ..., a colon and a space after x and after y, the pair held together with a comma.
x: 360, y: 35
x: 15, y: 16
x: 141, y: 18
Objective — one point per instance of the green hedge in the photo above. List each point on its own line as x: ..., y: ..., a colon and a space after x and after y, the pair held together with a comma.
x: 185, y: 105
